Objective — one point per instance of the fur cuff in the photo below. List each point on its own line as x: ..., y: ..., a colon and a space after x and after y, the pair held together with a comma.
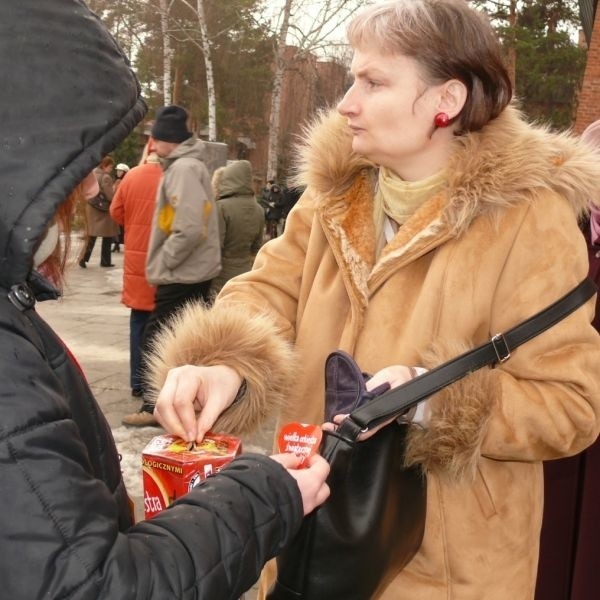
x: 450, y: 444
x: 229, y: 335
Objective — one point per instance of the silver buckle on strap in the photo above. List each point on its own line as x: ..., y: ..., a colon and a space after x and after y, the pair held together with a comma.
x: 500, y: 347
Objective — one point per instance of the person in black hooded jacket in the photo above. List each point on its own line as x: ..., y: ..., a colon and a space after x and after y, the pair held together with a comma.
x: 65, y: 526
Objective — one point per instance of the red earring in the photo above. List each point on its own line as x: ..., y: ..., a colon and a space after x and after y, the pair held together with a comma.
x: 441, y: 120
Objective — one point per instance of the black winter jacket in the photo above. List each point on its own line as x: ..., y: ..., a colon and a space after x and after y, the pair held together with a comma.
x: 64, y: 519
x: 65, y: 529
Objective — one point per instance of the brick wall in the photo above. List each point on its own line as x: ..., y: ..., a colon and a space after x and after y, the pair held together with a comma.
x: 308, y: 85
x: 588, y: 109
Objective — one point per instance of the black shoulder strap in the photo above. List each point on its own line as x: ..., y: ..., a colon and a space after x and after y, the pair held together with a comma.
x: 497, y: 350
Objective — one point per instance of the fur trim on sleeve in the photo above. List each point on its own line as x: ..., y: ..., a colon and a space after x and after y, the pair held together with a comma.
x: 450, y: 443
x: 229, y: 335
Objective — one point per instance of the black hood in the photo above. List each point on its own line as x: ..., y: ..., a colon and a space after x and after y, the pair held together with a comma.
x: 68, y: 97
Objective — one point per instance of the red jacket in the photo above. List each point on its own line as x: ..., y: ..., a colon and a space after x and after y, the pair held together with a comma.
x: 133, y: 207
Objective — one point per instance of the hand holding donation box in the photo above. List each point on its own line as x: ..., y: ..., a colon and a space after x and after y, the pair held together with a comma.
x: 172, y: 467
x: 300, y: 439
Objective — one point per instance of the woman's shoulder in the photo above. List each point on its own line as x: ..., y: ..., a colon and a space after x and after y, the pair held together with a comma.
x: 511, y: 162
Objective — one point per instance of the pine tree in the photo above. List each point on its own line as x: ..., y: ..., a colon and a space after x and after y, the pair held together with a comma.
x: 547, y: 64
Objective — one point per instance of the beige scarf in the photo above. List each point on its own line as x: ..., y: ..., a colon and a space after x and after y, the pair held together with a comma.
x: 397, y: 199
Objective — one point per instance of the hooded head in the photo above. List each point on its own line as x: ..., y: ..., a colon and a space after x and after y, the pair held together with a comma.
x: 59, y: 118
x: 235, y: 180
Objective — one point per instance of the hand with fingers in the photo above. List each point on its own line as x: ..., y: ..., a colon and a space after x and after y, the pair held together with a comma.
x: 310, y: 480
x: 193, y: 397
x: 394, y: 375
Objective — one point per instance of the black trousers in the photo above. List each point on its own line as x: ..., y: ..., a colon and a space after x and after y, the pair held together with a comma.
x: 104, y: 251
x: 168, y: 300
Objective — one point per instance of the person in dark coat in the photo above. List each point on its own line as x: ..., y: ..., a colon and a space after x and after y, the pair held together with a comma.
x: 276, y: 203
x: 291, y: 196
x: 65, y: 525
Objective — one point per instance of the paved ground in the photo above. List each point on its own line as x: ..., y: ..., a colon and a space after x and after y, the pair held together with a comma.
x: 95, y: 325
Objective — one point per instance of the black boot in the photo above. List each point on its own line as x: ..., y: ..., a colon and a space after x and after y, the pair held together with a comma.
x: 105, y: 258
x: 87, y: 253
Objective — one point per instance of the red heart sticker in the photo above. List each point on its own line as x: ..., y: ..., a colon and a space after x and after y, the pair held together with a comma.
x: 300, y: 439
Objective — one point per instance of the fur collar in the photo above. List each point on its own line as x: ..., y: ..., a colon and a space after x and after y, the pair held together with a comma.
x: 496, y: 167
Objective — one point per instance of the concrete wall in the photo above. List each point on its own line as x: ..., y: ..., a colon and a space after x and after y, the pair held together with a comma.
x: 216, y: 156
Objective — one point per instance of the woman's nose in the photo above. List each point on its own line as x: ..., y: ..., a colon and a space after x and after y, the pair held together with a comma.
x: 347, y: 105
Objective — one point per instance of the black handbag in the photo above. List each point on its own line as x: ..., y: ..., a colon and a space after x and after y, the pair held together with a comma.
x: 99, y: 202
x: 372, y: 524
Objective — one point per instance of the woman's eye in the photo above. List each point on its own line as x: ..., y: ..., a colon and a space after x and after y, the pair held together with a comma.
x: 371, y: 83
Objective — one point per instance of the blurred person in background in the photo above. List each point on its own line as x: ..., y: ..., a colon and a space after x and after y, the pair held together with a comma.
x: 184, y: 252
x: 120, y: 170
x: 241, y: 221
x: 99, y: 222
x: 132, y: 208
x: 276, y: 202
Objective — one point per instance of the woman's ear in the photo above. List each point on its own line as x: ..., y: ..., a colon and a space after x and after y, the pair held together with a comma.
x: 453, y: 95
x: 90, y: 186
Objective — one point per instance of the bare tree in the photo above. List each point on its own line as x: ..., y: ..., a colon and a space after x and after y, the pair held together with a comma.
x: 126, y: 21
x: 210, y: 78
x: 203, y: 43
x: 310, y: 27
x: 165, y: 8
x: 512, y: 48
x: 274, y: 115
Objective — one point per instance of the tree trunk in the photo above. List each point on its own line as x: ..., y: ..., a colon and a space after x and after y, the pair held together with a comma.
x: 176, y: 99
x: 512, y: 46
x: 167, y: 51
x: 274, y: 117
x: 210, y: 81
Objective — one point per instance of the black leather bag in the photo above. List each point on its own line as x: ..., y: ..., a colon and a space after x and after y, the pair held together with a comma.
x: 373, y: 522
x: 368, y: 485
x: 99, y: 202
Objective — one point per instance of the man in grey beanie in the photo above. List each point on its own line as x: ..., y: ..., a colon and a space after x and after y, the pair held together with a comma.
x: 184, y: 250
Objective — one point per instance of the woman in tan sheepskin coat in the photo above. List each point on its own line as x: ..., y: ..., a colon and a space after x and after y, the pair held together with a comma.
x: 413, y: 242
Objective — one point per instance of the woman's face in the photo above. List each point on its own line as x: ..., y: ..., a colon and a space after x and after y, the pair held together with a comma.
x: 390, y: 111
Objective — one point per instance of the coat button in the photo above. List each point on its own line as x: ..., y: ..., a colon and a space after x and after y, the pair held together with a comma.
x: 21, y: 296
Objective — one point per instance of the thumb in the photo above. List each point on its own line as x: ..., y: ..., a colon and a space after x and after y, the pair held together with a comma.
x: 287, y: 460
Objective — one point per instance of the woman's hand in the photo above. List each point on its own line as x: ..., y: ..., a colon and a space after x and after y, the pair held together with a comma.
x: 192, y: 398
x: 395, y: 375
x: 310, y: 480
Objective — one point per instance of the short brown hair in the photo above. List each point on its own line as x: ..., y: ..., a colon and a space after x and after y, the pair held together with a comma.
x: 107, y: 161
x: 449, y: 40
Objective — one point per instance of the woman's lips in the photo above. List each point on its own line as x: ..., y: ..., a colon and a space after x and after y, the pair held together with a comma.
x: 356, y: 130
